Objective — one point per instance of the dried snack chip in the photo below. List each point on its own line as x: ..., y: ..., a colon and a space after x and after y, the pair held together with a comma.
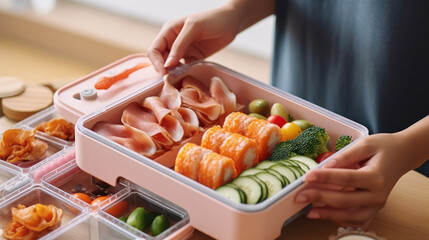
x: 16, y: 231
x: 32, y: 222
x: 21, y: 145
x: 58, y: 127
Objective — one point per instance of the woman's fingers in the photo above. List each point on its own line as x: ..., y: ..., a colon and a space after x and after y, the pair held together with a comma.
x: 338, y: 199
x: 362, y: 178
x: 354, y: 155
x: 182, y: 45
x: 161, y: 46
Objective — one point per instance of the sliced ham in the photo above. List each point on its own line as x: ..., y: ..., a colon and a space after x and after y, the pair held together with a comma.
x: 189, y: 121
x: 118, y: 133
x: 187, y: 117
x: 170, y: 96
x: 220, y: 92
x: 165, y: 117
x: 135, y: 118
x: 207, y: 109
x: 189, y: 82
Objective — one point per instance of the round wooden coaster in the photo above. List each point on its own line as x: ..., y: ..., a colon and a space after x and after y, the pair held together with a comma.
x: 10, y: 86
x: 33, y: 99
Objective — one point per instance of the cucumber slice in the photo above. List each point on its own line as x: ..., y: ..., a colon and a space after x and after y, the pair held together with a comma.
x: 282, y: 178
x: 295, y: 170
x: 308, y: 161
x: 251, y: 171
x: 264, y: 188
x: 302, y: 165
x: 242, y: 195
x: 288, y: 162
x: 241, y: 192
x: 266, y: 164
x: 229, y: 192
x: 285, y: 171
x: 301, y: 171
x: 251, y: 187
x: 273, y: 183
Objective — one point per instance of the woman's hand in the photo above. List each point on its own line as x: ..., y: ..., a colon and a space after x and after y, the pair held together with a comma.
x: 364, y: 175
x: 202, y: 34
x: 193, y: 38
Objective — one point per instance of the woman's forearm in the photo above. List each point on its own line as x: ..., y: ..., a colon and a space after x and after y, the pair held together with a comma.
x: 416, y: 142
x: 251, y: 11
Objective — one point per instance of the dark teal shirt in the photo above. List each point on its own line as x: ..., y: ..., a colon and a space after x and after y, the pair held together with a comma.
x: 367, y: 60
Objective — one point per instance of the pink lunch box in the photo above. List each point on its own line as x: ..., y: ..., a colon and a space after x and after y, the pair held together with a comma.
x: 209, y: 212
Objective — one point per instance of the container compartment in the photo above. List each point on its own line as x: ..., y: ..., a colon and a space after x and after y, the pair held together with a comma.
x: 265, y: 218
x: 54, y: 147
x: 69, y: 179
x: 93, y: 228
x: 178, y: 219
x: 38, y: 194
x: 41, y: 117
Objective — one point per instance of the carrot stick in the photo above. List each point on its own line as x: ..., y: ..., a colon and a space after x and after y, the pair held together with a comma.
x: 106, y: 82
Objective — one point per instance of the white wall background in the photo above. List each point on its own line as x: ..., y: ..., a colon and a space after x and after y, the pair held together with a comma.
x: 256, y: 40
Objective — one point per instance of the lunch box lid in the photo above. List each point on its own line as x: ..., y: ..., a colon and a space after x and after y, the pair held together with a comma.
x: 80, y: 97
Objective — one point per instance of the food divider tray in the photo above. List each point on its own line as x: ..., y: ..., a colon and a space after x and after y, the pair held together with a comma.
x: 179, y: 226
x: 209, y: 212
x: 68, y: 179
x: 38, y: 194
x: 52, y: 180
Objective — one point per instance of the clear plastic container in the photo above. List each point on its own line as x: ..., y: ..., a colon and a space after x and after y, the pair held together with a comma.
x: 68, y: 179
x: 93, y: 227
x: 54, y: 148
x: 37, y: 194
x: 43, y: 116
x: 179, y: 226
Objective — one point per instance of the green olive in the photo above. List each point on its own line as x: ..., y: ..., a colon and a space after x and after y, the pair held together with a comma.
x: 303, y: 124
x: 257, y: 115
x: 278, y: 109
x: 137, y: 218
x: 259, y: 106
x: 159, y: 224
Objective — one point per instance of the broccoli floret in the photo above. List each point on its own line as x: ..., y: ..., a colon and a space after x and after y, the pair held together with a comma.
x: 342, y: 141
x: 311, y: 142
x: 283, y: 150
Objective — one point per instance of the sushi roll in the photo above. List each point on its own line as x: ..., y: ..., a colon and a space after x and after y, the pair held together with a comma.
x: 204, y: 166
x: 216, y: 170
x: 188, y: 160
x: 237, y: 122
x: 265, y: 134
x: 214, y: 137
x: 241, y: 149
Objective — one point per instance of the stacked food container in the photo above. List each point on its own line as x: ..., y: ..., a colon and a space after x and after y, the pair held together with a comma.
x: 55, y: 178
x: 149, y: 182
